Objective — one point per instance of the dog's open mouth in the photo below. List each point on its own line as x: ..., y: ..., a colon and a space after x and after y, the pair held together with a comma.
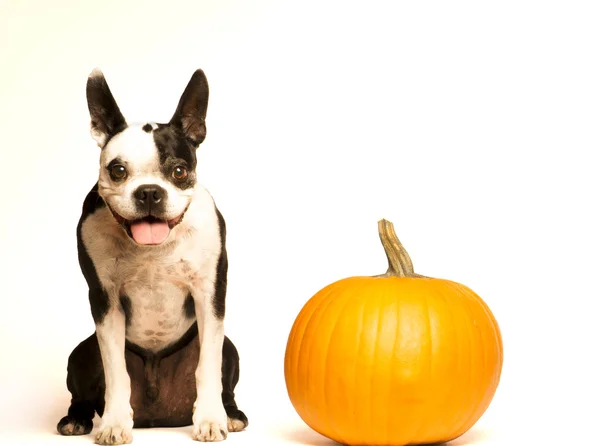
x: 148, y: 230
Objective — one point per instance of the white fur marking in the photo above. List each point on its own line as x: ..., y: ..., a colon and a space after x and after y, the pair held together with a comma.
x: 96, y: 72
x: 99, y: 137
x: 209, y: 419
x: 117, y: 420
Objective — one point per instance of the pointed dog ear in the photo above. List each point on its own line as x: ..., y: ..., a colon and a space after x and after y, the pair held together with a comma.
x: 106, y: 118
x: 191, y: 110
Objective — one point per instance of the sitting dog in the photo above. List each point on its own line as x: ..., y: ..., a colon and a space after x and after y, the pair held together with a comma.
x: 151, y: 246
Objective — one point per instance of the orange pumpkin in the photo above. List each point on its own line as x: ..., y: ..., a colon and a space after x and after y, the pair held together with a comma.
x: 394, y: 359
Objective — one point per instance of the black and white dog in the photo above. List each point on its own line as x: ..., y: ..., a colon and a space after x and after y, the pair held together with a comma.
x: 151, y: 246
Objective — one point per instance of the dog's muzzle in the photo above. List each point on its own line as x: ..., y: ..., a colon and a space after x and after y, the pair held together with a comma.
x: 148, y: 230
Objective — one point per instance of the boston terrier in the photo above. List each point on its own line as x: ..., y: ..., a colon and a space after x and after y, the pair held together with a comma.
x: 151, y: 246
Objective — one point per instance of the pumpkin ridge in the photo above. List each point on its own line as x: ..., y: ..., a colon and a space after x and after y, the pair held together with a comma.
x: 471, y: 298
x: 358, y: 349
x: 477, y: 407
x: 302, y: 320
x: 455, y: 342
x: 498, y: 350
x: 328, y: 295
x: 472, y: 378
x: 349, y: 297
x: 467, y: 322
x: 491, y: 318
x: 423, y: 417
x: 325, y: 307
x: 374, y: 361
x: 292, y: 353
x: 392, y: 370
x: 429, y: 325
x: 498, y: 342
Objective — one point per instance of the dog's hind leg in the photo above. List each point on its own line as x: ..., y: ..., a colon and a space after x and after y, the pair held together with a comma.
x: 230, y: 369
x: 85, y: 381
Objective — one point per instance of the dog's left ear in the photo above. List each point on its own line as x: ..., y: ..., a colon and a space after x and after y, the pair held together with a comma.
x: 107, y: 119
x: 191, y: 110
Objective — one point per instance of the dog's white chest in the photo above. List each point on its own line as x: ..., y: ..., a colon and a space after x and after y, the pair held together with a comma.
x: 157, y: 291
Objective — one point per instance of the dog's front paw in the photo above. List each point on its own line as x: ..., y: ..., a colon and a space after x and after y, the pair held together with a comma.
x: 115, y: 430
x: 235, y: 425
x: 74, y: 426
x: 236, y: 419
x: 210, y: 431
x: 210, y: 425
x: 114, y: 435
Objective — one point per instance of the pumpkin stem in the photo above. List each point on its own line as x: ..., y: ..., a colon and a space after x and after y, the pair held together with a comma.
x: 399, y: 261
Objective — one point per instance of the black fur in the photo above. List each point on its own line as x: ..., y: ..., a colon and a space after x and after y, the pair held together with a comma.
x: 174, y: 150
x: 126, y: 306
x: 97, y: 296
x: 230, y: 375
x: 222, y: 266
x: 189, y: 308
x: 104, y: 111
x: 190, y: 115
x: 85, y: 389
x: 98, y: 304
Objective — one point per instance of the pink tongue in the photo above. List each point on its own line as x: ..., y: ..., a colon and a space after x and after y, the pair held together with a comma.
x: 146, y: 233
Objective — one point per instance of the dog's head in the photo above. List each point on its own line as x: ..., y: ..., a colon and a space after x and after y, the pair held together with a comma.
x: 147, y: 172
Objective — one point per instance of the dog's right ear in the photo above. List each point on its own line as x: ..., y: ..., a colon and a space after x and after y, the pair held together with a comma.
x: 107, y: 119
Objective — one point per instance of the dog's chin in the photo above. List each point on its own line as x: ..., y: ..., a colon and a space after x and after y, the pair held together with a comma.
x: 149, y: 230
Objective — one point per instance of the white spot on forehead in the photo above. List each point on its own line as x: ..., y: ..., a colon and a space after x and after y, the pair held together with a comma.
x: 134, y: 146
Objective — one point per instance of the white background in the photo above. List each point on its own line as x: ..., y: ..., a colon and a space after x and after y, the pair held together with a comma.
x: 471, y: 125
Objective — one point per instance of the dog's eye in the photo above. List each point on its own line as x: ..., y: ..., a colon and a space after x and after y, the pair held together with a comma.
x: 180, y: 173
x: 118, y: 172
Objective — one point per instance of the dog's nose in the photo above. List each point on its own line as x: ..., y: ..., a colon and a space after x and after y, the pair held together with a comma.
x: 149, y: 194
